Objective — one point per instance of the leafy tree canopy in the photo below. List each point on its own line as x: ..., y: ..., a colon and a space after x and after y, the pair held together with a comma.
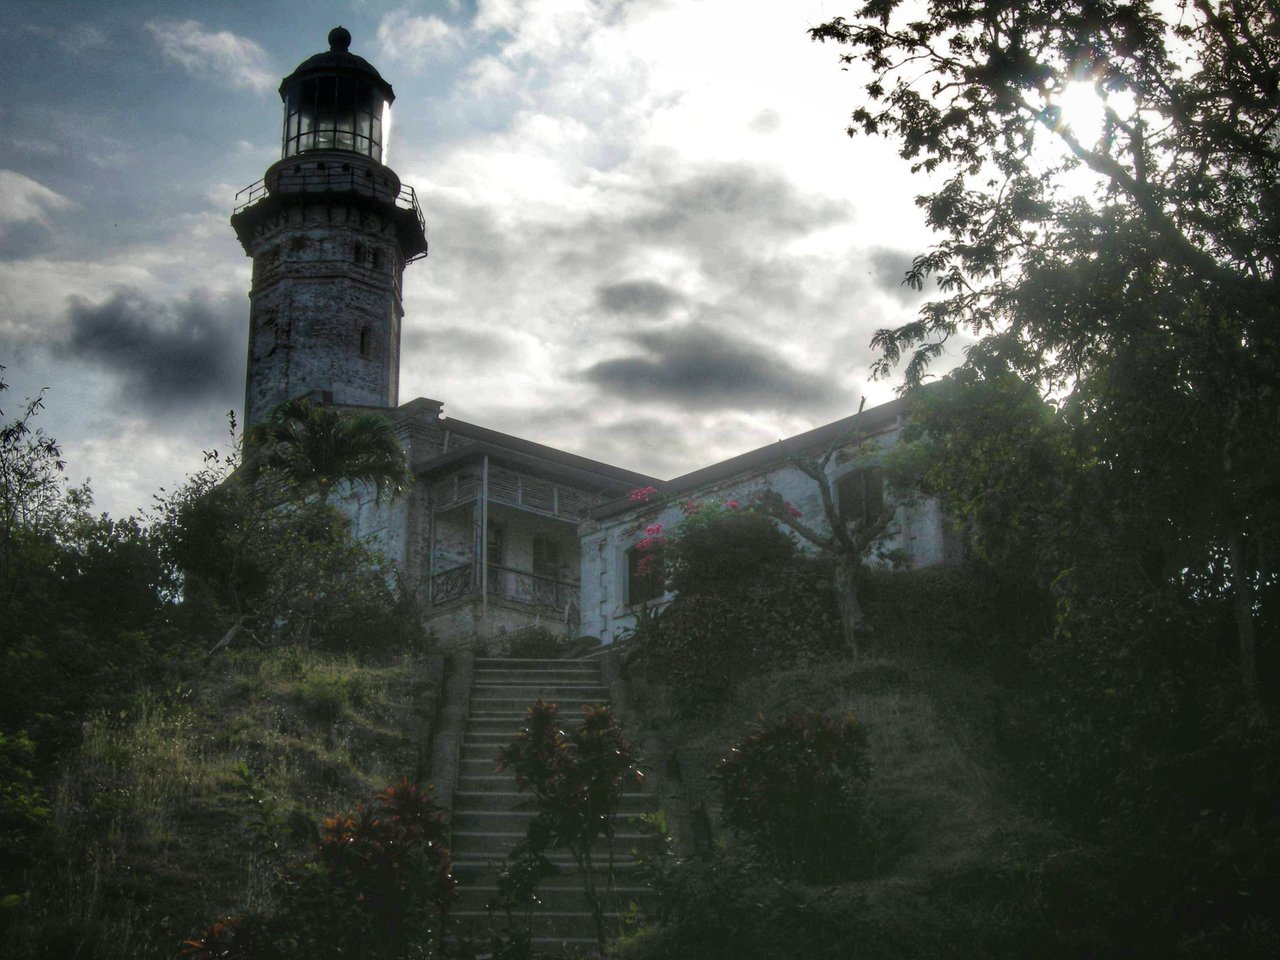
x: 1126, y: 272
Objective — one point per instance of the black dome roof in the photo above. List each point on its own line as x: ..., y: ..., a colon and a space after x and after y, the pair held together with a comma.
x: 337, y: 60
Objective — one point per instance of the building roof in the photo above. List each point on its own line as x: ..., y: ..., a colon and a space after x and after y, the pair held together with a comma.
x: 868, y: 422
x: 535, y: 456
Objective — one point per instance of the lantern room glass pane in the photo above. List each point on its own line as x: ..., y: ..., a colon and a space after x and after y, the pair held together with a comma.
x: 334, y: 113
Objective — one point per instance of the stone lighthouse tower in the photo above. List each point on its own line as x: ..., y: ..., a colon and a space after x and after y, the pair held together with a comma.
x: 330, y: 229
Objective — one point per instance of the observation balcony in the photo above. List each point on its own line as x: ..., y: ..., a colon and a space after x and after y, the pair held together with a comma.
x: 337, y: 176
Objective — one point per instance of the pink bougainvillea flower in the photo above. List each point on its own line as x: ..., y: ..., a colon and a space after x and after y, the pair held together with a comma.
x: 792, y: 510
x: 731, y: 504
x: 642, y: 494
x: 690, y: 507
x: 654, y: 530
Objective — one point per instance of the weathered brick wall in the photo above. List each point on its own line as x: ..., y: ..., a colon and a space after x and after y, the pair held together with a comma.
x: 324, y: 308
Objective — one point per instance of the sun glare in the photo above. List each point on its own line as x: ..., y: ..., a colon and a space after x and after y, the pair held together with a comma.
x: 1083, y: 110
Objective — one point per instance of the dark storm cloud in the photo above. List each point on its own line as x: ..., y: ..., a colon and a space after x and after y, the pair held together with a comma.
x: 888, y: 268
x: 166, y: 355
x: 645, y: 298
x: 750, y: 197
x: 698, y: 368
x: 24, y: 239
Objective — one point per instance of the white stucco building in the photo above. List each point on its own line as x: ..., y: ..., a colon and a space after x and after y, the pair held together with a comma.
x: 498, y: 532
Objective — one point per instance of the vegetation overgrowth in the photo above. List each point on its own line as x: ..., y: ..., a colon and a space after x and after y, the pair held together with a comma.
x: 143, y: 782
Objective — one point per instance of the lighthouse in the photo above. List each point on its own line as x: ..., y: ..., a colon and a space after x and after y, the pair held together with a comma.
x: 330, y: 228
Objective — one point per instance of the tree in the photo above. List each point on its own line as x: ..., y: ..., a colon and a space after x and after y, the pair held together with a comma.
x: 849, y: 536
x: 263, y: 545
x: 35, y: 502
x: 317, y: 447
x: 1145, y: 305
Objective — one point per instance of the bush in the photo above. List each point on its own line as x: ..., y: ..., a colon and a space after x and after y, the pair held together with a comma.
x: 536, y: 643
x: 747, y: 601
x: 725, y: 553
x: 795, y: 789
x: 379, y: 886
x: 328, y: 695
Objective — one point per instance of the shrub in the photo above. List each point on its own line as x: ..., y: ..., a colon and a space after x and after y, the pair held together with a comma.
x: 536, y: 642
x: 795, y: 789
x: 723, y: 553
x: 577, y: 782
x: 380, y: 884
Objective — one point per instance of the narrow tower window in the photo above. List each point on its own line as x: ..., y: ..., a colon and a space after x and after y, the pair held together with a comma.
x: 366, y: 342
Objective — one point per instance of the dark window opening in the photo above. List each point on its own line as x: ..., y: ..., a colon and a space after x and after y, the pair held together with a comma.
x: 366, y: 342
x: 374, y: 259
x: 358, y: 253
x: 497, y: 544
x: 546, y: 558
x: 646, y: 578
x: 860, y: 495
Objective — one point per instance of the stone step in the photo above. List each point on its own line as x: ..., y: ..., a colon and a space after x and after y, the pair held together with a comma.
x: 532, y: 663
x: 479, y: 800
x: 513, y: 818
x: 548, y: 692
x: 554, y: 895
x: 493, y: 843
x: 474, y: 782
x: 550, y: 928
x: 570, y: 707
x: 469, y: 869
x: 584, y: 947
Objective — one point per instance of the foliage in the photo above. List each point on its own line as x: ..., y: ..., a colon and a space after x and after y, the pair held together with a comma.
x: 536, y: 642
x: 577, y: 780
x: 1113, y: 435
x: 847, y: 540
x: 379, y: 885
x: 1127, y: 271
x: 795, y: 788
x: 746, y: 601
x: 315, y: 448
x: 719, y: 552
x: 259, y: 555
x: 24, y: 813
x: 35, y: 502
x: 83, y: 600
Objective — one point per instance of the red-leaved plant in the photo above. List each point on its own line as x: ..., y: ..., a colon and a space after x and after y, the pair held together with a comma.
x: 577, y: 780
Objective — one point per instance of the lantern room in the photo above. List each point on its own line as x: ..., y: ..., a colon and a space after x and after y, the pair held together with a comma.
x: 336, y: 101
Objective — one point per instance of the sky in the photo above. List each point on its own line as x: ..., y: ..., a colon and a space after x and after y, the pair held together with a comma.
x: 652, y: 242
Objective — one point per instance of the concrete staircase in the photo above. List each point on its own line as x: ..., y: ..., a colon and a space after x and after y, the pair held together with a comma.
x: 490, y: 814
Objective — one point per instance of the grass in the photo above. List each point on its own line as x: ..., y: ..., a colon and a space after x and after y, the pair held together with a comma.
x: 150, y: 820
x: 953, y: 865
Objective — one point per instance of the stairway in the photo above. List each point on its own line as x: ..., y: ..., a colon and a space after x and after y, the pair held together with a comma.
x: 490, y: 815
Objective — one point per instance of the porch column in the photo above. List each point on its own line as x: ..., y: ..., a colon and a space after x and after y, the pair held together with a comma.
x: 484, y: 539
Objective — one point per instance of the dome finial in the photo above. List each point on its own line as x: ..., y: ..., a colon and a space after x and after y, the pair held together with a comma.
x: 339, y: 39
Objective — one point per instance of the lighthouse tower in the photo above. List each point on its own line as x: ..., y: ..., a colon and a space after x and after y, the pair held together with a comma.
x: 330, y: 229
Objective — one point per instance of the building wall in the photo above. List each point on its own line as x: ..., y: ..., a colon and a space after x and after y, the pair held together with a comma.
x: 324, y: 309
x: 917, y: 529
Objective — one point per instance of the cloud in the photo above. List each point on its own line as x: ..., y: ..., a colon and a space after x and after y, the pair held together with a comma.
x: 76, y: 39
x: 698, y: 368
x: 888, y: 267
x: 405, y: 38
x: 24, y: 200
x: 26, y: 208
x: 182, y: 354
x: 216, y: 56
x: 646, y: 298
